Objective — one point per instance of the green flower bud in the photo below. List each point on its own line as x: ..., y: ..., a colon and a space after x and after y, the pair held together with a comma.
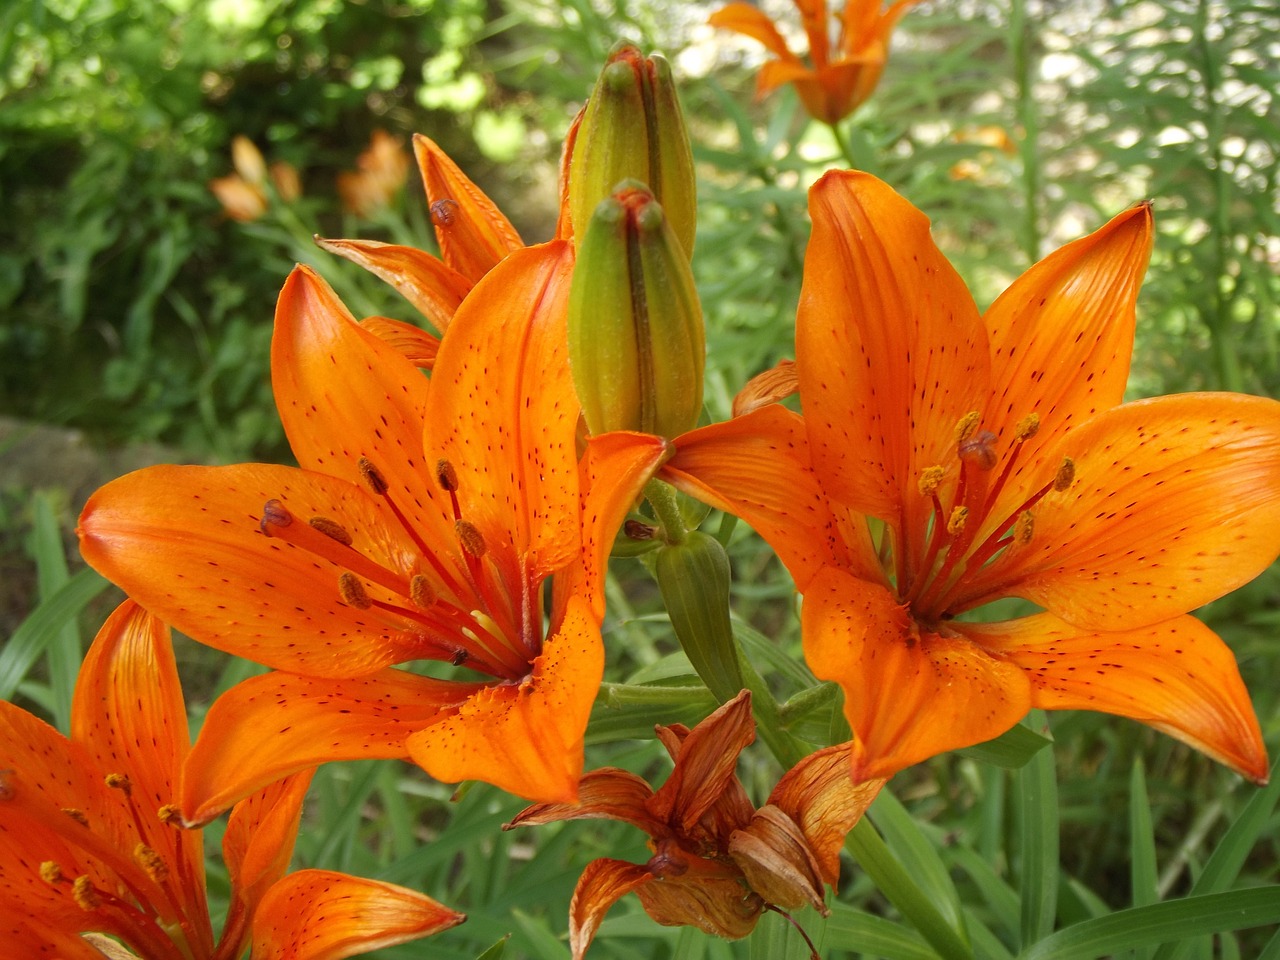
x: 632, y: 129
x: 636, y: 341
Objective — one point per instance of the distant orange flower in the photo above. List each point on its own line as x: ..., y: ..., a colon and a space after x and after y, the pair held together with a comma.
x: 243, y: 194
x: 717, y: 862
x: 381, y: 171
x: 90, y: 847
x: 946, y: 460
x: 839, y: 76
x: 422, y: 526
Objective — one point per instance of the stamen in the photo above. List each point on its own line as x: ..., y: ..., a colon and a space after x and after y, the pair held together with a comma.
x: 966, y: 425
x: 639, y: 530
x: 76, y: 815
x: 373, y: 477
x: 421, y: 592
x: 1027, y: 427
x: 119, y: 781
x: 470, y: 537
x: 1025, y: 527
x: 446, y: 476
x: 1065, y: 476
x: 331, y: 529
x: 85, y: 894
x: 459, y: 657
x: 352, y: 591
x: 274, y: 514
x: 151, y: 862
x: 444, y: 212
x: 307, y: 537
x: 51, y: 873
x: 930, y: 480
x: 170, y: 816
x: 955, y: 523
x: 979, y: 449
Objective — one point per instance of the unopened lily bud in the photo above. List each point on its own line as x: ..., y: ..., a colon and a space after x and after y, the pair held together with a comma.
x: 636, y: 340
x: 633, y: 129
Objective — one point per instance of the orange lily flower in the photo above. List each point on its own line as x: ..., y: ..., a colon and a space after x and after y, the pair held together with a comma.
x: 717, y: 862
x: 839, y: 75
x: 422, y: 525
x: 381, y: 171
x: 947, y: 459
x: 473, y: 235
x: 90, y: 848
x: 243, y: 194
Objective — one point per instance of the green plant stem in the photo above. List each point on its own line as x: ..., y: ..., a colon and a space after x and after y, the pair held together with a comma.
x: 892, y: 879
x: 846, y: 148
x: 662, y: 497
x: 1029, y: 120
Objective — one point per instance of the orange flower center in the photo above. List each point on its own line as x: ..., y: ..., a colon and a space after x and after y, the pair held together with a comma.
x: 954, y: 553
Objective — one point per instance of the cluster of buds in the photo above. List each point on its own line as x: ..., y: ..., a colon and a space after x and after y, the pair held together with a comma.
x: 244, y: 195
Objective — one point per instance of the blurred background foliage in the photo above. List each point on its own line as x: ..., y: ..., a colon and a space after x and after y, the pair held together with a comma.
x: 135, y: 309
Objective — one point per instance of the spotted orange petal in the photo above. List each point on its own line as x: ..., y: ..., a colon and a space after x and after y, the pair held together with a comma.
x: 909, y: 695
x: 413, y: 343
x: 433, y: 288
x: 890, y: 348
x: 1177, y: 676
x: 473, y: 233
x: 1175, y: 502
x: 526, y: 738
x: 268, y: 727
x: 322, y: 915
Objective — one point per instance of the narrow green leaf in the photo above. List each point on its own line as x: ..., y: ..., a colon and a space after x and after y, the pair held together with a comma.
x: 496, y: 951
x: 40, y: 630
x: 1166, y: 922
x: 1142, y: 846
x: 65, y: 650
x: 902, y: 833
x: 1012, y: 750
x: 1036, y: 811
x: 868, y: 935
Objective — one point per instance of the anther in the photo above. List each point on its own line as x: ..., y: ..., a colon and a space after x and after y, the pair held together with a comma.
x: 119, y: 781
x: 979, y: 449
x: 446, y: 476
x: 930, y: 480
x: 352, y: 591
x: 444, y: 212
x: 1027, y: 427
x: 170, y: 815
x: 51, y: 873
x: 274, y: 514
x: 421, y: 592
x: 373, y: 476
x: 76, y: 815
x: 472, y: 539
x: 1025, y: 527
x: 1065, y: 476
x: 966, y: 425
x: 459, y: 657
x: 955, y: 523
x: 85, y: 895
x: 151, y: 862
x: 331, y: 529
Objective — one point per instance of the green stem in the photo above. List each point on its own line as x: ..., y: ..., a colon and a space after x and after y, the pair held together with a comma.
x: 846, y: 148
x: 1028, y: 119
x: 662, y: 497
x: 892, y: 879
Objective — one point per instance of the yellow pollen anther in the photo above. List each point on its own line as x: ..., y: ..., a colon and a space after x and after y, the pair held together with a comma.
x: 931, y: 480
x: 1025, y: 527
x: 955, y: 523
x: 50, y: 872
x: 274, y: 514
x: 979, y: 450
x: 150, y: 861
x: 966, y: 425
x: 331, y: 529
x: 446, y: 476
x: 170, y: 815
x: 119, y: 781
x: 1027, y: 427
x: 420, y: 592
x: 76, y: 815
x: 1066, y: 474
x: 353, y: 592
x: 472, y: 539
x: 84, y: 894
x: 444, y: 211
x: 373, y: 477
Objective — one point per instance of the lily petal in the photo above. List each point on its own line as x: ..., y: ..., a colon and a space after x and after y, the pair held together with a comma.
x: 757, y: 467
x: 413, y: 343
x: 526, y: 738
x: 433, y: 288
x: 322, y: 915
x: 472, y: 232
x: 890, y: 348
x: 186, y: 543
x: 706, y: 763
x: 1177, y: 676
x: 604, y: 794
x: 268, y: 727
x: 602, y: 884
x: 908, y: 695
x: 1175, y: 502
x: 751, y: 21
